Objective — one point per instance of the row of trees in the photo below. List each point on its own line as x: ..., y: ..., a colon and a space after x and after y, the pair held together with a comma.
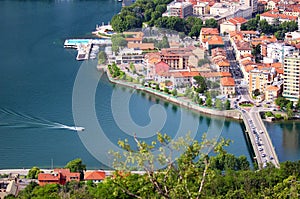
x: 115, y: 71
x: 193, y: 175
x: 278, y: 29
x: 150, y: 12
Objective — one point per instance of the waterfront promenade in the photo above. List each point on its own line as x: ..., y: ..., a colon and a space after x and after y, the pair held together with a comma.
x: 259, y: 137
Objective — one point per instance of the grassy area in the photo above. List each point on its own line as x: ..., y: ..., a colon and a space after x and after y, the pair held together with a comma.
x: 246, y: 105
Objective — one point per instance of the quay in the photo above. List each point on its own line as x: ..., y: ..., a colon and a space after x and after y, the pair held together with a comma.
x: 260, y: 140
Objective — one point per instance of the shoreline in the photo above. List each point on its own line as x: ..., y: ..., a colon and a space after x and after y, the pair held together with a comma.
x: 179, y: 101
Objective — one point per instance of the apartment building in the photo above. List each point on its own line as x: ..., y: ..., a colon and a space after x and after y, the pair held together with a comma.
x: 291, y: 75
x: 179, y: 9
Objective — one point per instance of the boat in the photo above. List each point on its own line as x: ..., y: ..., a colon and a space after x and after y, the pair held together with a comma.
x: 77, y: 128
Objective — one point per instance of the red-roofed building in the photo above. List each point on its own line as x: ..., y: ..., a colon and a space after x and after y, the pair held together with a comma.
x: 273, y: 15
x: 95, y: 176
x: 58, y: 176
x: 207, y: 33
x: 214, y: 42
x: 227, y: 86
x: 161, y: 67
x: 223, y: 66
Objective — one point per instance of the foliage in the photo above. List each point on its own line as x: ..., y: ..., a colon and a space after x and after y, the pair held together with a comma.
x: 269, y: 114
x: 201, y: 84
x: 204, y: 61
x: 219, y: 104
x: 132, y: 68
x: 209, y: 102
x: 102, y: 58
x: 256, y: 52
x: 166, y: 90
x: 33, y: 173
x: 285, y: 104
x: 256, y: 92
x: 227, y: 105
x: 278, y: 116
x: 183, y: 179
x: 188, y: 92
x: 115, y: 71
x: 174, y: 92
x: 277, y: 29
x: 164, y: 43
x: 118, y: 41
x: 76, y: 165
x: 193, y: 175
x: 211, y: 23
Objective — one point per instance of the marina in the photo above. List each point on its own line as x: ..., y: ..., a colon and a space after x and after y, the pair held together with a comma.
x: 86, y: 48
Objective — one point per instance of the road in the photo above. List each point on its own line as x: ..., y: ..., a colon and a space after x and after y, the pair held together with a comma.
x: 259, y: 137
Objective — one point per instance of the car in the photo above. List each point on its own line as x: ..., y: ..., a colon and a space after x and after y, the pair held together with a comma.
x: 260, y: 148
x: 261, y: 132
x: 271, y: 157
x: 263, y: 155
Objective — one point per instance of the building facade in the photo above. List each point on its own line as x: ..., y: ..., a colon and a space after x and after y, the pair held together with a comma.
x: 291, y: 75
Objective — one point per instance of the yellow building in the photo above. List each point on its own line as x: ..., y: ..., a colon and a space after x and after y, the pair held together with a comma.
x: 259, y: 79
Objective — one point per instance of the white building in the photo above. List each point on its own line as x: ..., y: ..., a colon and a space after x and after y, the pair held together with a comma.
x: 229, y: 10
x: 201, y: 8
x: 179, y: 9
x: 277, y: 51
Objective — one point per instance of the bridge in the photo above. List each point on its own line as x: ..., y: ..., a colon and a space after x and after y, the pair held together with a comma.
x: 261, y: 143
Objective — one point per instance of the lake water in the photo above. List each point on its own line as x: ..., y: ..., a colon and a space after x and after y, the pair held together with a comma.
x: 37, y: 77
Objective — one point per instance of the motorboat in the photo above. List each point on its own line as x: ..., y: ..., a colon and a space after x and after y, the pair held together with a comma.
x: 77, y: 128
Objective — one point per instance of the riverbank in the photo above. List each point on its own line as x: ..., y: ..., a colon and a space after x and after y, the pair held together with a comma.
x: 180, y: 101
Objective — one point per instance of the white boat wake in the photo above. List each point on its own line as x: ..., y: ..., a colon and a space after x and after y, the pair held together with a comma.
x: 13, y: 119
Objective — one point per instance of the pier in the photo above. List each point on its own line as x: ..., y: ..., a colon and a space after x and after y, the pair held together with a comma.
x: 261, y: 143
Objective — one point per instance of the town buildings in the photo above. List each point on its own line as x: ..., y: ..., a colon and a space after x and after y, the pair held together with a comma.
x: 8, y: 187
x: 58, y: 176
x: 179, y: 9
x: 227, y: 86
x: 291, y: 75
x: 233, y: 24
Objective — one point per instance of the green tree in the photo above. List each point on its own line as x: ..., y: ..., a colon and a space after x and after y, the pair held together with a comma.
x: 281, y: 102
x: 265, y: 27
x: 118, y: 41
x: 174, y: 92
x: 256, y: 92
x: 201, y: 84
x: 227, y: 105
x: 209, y: 102
x: 166, y: 90
x: 76, y: 165
x: 33, y: 173
x: 211, y: 23
x: 102, y: 58
x: 219, y: 104
x: 184, y: 178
